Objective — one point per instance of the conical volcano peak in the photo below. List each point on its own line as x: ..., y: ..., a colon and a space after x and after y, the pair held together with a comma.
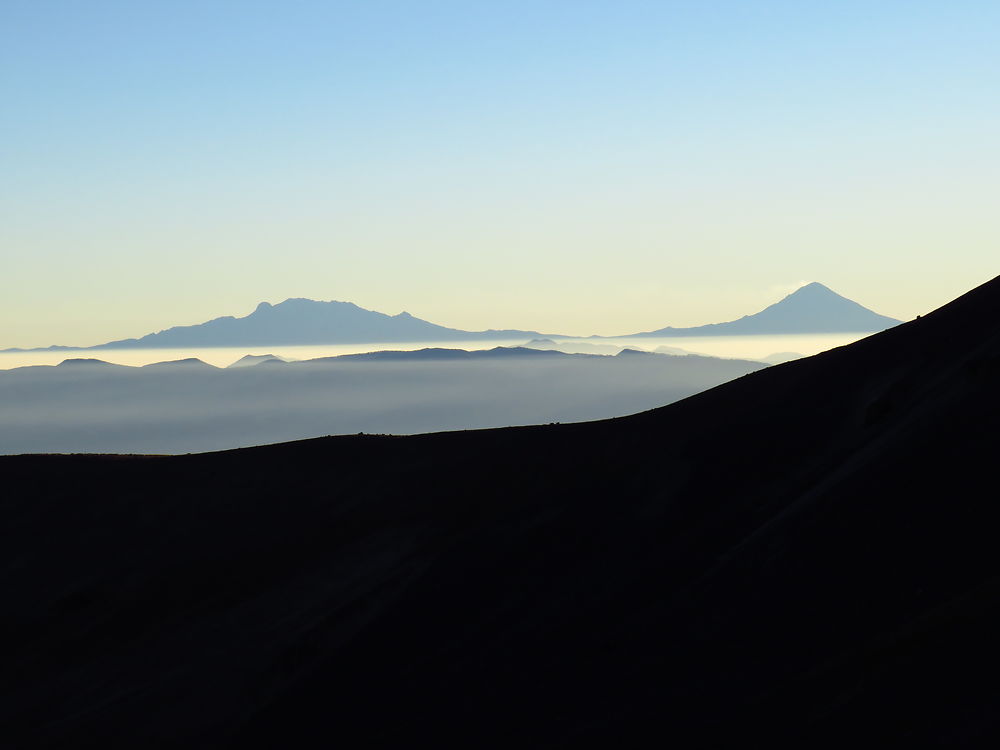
x: 815, y: 290
x: 813, y: 308
x: 813, y: 287
x: 815, y: 293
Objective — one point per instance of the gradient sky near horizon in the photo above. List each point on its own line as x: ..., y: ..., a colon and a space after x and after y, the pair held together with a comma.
x: 565, y: 166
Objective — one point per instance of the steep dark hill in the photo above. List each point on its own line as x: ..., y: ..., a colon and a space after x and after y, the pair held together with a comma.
x: 802, y: 557
x: 813, y: 308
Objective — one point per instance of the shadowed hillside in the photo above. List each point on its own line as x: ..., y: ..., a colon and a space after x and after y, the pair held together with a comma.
x: 803, y: 557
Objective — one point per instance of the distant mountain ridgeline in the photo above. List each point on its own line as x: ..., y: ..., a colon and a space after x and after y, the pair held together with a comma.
x: 812, y: 309
x: 87, y: 405
x: 305, y: 321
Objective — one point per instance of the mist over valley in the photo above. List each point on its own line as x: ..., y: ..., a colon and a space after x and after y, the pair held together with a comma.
x: 86, y: 405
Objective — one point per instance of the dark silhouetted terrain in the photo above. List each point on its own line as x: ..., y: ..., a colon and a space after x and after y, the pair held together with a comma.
x: 804, y: 557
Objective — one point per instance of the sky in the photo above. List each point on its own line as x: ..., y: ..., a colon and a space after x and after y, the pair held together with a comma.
x: 566, y: 166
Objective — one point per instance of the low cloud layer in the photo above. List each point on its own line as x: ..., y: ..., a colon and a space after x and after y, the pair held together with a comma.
x: 193, y: 407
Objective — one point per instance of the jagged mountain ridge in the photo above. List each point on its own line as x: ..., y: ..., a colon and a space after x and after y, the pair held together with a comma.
x: 304, y: 321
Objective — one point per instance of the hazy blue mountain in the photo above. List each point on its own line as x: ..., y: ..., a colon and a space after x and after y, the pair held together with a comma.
x: 573, y: 347
x: 306, y: 321
x: 190, y: 363
x: 672, y: 350
x: 813, y: 308
x: 78, y: 362
x: 251, y: 360
x: 437, y: 353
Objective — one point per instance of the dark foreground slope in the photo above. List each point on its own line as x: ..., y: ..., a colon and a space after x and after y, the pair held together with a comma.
x: 804, y: 556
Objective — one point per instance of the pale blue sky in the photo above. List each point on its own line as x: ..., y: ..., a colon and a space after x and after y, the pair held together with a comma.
x: 578, y: 167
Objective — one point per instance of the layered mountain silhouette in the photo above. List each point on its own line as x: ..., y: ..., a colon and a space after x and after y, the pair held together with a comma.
x: 89, y: 406
x: 802, y: 557
x: 813, y: 308
x: 306, y: 321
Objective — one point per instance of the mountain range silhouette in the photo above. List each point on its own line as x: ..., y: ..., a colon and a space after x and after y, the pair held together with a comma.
x: 306, y: 321
x: 185, y: 406
x: 812, y: 309
x: 802, y: 557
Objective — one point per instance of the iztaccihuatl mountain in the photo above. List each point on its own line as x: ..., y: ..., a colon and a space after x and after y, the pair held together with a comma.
x: 306, y: 321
